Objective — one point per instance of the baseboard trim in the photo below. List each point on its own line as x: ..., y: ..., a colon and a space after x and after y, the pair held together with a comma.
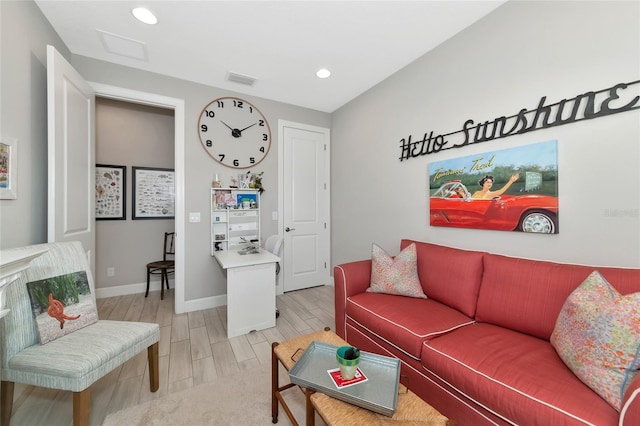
x: 205, y: 303
x: 123, y: 290
x: 190, y: 305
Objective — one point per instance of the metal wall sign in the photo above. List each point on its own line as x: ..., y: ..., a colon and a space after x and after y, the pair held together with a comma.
x: 586, y: 106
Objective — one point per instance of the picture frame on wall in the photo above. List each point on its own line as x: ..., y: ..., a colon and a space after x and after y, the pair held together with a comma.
x: 153, y: 193
x: 111, y: 192
x: 8, y: 168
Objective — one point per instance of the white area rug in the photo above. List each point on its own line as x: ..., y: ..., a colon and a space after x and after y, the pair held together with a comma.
x: 243, y: 398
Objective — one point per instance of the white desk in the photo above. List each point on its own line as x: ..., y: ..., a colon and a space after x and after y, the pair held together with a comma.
x: 251, y: 290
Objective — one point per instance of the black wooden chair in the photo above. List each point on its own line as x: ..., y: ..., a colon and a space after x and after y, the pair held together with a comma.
x: 163, y: 267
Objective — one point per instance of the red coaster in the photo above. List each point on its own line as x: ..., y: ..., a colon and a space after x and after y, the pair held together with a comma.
x: 341, y: 383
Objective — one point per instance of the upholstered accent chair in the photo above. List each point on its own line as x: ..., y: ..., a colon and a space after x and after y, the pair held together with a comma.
x: 72, y: 362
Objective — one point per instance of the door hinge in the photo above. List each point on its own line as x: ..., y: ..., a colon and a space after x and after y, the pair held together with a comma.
x: 325, y: 225
x: 325, y: 265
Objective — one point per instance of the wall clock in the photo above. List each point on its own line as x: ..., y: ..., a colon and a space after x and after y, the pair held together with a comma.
x: 234, y: 132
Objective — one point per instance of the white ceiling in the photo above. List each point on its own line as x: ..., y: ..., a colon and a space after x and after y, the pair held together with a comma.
x: 281, y: 43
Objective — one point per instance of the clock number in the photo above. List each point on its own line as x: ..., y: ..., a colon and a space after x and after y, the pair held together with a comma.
x: 265, y: 137
x: 238, y: 104
x: 221, y: 157
x: 209, y: 143
x: 203, y: 127
x: 236, y: 163
x: 209, y: 114
x: 251, y: 109
x: 252, y: 160
x: 262, y: 149
x: 220, y: 104
x: 261, y: 123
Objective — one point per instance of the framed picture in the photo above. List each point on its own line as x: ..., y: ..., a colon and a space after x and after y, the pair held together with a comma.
x: 111, y: 191
x: 8, y: 168
x: 153, y: 193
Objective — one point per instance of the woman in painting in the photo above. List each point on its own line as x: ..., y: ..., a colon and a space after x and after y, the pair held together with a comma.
x: 487, y: 182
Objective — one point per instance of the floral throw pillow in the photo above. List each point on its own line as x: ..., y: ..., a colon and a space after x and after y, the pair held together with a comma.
x: 397, y: 275
x: 598, y: 336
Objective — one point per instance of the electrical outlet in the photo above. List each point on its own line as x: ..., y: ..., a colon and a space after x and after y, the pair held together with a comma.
x: 111, y: 272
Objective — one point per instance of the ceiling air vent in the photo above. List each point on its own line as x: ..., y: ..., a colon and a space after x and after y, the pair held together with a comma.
x: 123, y: 46
x: 240, y: 78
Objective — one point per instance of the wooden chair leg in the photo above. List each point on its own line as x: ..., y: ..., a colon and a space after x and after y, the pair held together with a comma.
x: 81, y: 407
x: 274, y: 384
x: 162, y: 278
x: 148, y: 279
x: 6, y: 404
x: 154, y: 374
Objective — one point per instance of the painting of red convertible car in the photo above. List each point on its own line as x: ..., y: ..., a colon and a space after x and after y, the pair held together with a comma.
x: 451, y: 205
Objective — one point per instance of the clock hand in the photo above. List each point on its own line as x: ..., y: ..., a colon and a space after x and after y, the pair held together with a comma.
x: 234, y: 132
x: 230, y: 128
x: 247, y: 127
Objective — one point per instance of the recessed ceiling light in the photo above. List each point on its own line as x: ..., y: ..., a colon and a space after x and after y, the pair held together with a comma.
x: 144, y: 15
x: 323, y: 73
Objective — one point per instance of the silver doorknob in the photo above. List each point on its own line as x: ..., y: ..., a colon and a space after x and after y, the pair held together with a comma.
x: 289, y: 229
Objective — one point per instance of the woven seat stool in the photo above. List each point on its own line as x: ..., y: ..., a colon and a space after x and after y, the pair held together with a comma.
x: 287, y: 353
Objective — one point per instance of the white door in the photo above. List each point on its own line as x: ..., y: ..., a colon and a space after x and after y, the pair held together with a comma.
x: 305, y: 216
x: 71, y: 174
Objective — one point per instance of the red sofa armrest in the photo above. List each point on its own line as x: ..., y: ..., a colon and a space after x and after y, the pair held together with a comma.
x: 630, y: 413
x: 349, y: 278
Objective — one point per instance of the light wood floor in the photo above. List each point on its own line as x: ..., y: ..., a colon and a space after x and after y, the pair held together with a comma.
x: 193, y: 350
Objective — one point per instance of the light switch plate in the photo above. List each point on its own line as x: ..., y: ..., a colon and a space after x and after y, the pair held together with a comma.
x: 194, y: 217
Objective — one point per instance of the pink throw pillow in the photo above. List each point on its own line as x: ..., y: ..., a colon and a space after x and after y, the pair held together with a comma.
x: 597, y: 335
x: 397, y: 275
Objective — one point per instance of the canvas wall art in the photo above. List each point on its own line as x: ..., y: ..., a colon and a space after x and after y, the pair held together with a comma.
x: 8, y: 168
x: 62, y: 305
x: 513, y: 189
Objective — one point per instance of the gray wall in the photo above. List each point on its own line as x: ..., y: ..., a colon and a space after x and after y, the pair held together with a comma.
x: 24, y: 117
x: 24, y: 35
x: 131, y: 135
x: 203, y: 277
x: 507, y: 61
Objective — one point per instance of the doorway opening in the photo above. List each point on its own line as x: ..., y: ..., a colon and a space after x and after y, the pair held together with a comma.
x: 177, y: 106
x: 130, y: 135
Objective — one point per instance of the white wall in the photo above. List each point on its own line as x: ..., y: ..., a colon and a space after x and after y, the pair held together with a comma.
x: 522, y: 51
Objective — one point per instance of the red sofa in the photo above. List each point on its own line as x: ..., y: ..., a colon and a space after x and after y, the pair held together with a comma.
x: 478, y: 348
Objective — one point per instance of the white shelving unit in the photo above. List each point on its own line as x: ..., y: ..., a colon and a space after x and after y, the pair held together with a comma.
x: 235, y: 218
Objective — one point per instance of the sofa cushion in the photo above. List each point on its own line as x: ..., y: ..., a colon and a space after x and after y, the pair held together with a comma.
x: 598, y: 336
x: 403, y: 322
x: 397, y: 275
x: 519, y: 376
x: 448, y: 275
x: 527, y: 295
